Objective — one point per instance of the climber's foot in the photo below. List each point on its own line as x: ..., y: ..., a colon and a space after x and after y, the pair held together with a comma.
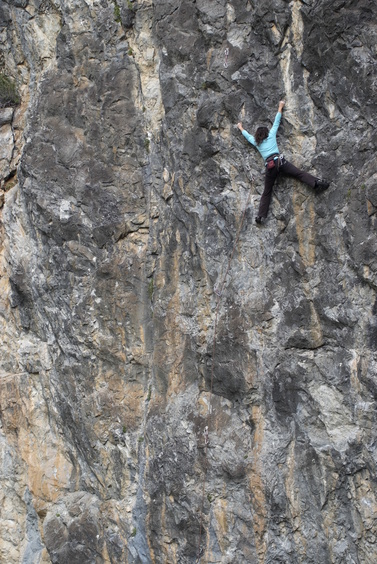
x: 321, y: 185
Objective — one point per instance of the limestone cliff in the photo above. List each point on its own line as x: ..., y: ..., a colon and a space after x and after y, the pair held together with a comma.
x: 123, y: 184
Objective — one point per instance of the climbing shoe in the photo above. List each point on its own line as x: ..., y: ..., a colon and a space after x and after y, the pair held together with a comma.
x: 258, y: 220
x: 321, y: 185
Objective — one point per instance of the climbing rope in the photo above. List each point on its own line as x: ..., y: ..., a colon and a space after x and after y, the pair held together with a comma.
x: 218, y: 292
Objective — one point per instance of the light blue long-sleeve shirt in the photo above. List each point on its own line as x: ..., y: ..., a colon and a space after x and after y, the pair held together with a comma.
x: 269, y: 146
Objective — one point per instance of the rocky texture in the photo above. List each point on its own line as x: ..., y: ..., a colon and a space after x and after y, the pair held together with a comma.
x: 124, y: 180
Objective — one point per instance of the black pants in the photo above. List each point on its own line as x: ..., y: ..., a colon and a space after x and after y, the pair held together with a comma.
x: 269, y: 181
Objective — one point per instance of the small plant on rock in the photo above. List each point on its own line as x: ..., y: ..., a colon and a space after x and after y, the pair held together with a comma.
x: 9, y: 95
x: 150, y: 289
x: 117, y: 16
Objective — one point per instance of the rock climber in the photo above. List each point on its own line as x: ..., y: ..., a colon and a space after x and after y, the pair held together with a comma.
x: 265, y: 142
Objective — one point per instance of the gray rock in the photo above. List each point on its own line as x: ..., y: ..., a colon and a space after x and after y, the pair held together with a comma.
x: 174, y: 384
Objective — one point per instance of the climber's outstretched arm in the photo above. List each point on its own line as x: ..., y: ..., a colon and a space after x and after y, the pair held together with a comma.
x: 247, y: 135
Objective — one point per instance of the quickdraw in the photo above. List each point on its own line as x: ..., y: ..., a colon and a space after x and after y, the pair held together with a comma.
x: 226, y: 54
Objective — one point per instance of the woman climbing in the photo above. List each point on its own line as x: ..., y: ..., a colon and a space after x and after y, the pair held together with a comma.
x: 265, y: 142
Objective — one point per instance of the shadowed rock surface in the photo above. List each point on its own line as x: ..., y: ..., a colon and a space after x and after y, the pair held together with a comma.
x: 123, y: 183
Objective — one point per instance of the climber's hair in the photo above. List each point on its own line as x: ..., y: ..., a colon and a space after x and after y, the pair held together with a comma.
x: 261, y: 134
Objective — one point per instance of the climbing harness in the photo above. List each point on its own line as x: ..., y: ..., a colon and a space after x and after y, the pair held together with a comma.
x: 270, y: 161
x: 274, y: 160
x: 218, y: 291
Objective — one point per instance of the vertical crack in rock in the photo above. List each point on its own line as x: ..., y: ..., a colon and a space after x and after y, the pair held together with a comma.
x: 34, y: 546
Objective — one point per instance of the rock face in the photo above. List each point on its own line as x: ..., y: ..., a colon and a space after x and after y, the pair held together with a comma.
x: 157, y: 406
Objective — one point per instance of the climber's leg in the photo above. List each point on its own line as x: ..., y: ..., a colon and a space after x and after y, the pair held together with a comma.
x: 269, y: 181
x: 288, y: 168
